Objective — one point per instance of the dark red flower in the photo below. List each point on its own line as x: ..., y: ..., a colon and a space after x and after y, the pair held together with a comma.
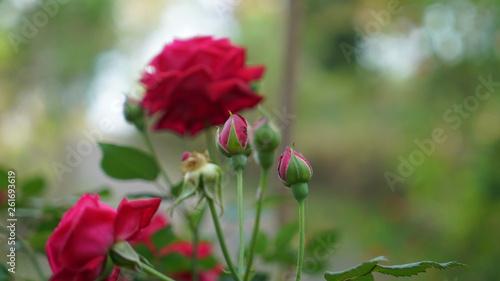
x: 194, y: 83
x: 78, y: 247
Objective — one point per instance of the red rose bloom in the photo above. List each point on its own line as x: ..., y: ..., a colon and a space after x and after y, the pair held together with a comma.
x: 194, y: 83
x: 78, y: 247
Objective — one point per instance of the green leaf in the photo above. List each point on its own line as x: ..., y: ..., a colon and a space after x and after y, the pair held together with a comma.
x: 33, y: 187
x: 260, y: 277
x: 176, y: 189
x: 208, y: 263
x: 261, y: 243
x: 356, y: 271
x: 368, y: 277
x: 104, y: 192
x: 363, y: 272
x: 163, y: 237
x: 38, y: 240
x: 285, y: 235
x: 146, y: 195
x: 143, y: 251
x: 125, y: 163
x: 285, y: 257
x: 196, y: 216
x: 176, y: 262
x: 4, y: 177
x: 321, y: 248
x: 322, y: 244
x: 414, y: 268
x: 4, y: 273
x: 273, y: 201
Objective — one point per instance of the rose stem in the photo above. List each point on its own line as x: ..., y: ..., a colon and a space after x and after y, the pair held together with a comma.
x: 260, y: 196
x: 151, y: 149
x: 194, y: 256
x: 302, y: 234
x: 241, y: 253
x: 154, y: 272
x: 195, y: 228
x: 222, y: 240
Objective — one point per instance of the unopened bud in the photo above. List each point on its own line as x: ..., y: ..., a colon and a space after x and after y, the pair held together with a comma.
x: 264, y: 138
x: 134, y: 113
x: 294, y: 168
x: 233, y: 139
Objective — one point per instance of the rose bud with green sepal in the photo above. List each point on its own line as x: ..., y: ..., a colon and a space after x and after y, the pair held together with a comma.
x: 265, y: 137
x: 200, y: 177
x: 233, y: 141
x: 295, y: 172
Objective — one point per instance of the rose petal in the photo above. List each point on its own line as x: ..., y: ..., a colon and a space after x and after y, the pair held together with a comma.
x: 56, y: 241
x: 241, y: 126
x: 283, y: 163
x: 232, y: 63
x: 133, y: 216
x: 251, y: 73
x: 90, y: 237
x: 233, y: 94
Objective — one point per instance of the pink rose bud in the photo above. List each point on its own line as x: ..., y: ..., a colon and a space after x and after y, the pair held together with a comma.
x: 233, y: 139
x: 293, y: 168
x: 295, y: 172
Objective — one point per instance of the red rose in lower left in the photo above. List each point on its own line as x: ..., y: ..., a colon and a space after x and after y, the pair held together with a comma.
x: 78, y: 248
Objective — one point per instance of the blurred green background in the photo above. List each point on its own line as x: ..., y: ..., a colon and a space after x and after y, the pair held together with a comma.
x: 374, y: 79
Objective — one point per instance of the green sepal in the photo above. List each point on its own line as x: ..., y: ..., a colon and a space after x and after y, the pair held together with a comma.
x: 108, y: 269
x: 123, y: 255
x: 300, y: 191
x: 233, y: 143
x: 297, y: 171
x: 188, y: 190
x: 239, y: 161
x: 212, y: 187
x: 134, y: 114
x: 264, y: 158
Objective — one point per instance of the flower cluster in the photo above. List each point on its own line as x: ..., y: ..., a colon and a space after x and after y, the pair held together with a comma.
x: 191, y: 85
